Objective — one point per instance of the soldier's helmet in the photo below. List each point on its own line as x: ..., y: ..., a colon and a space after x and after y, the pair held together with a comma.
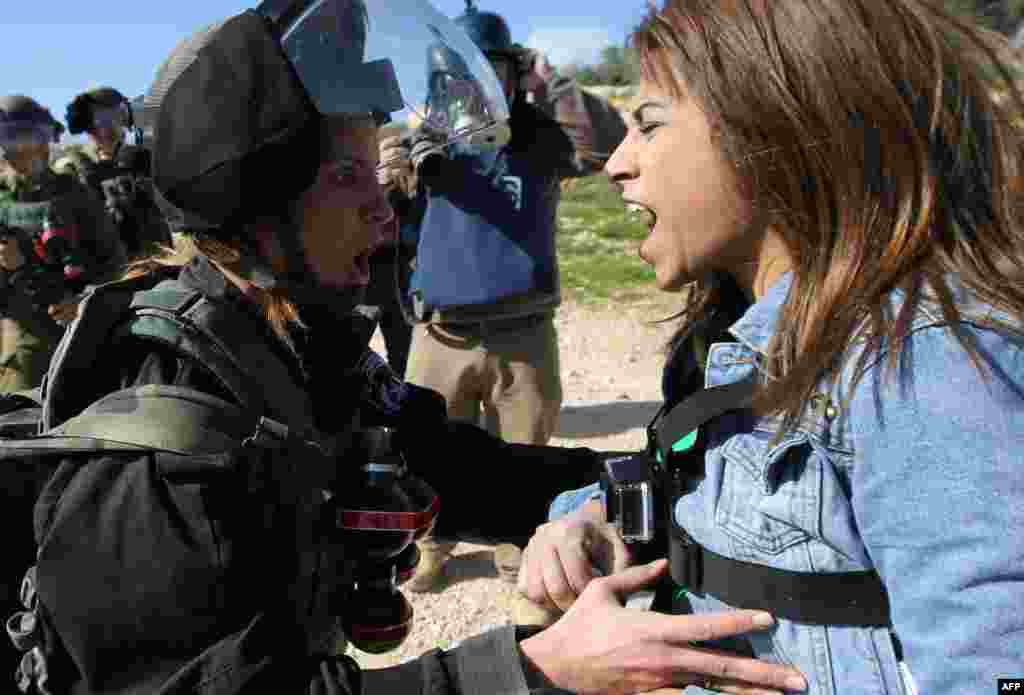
x: 488, y: 30
x: 238, y: 136
x: 103, y: 104
x: 27, y: 129
x: 106, y: 96
x: 22, y: 115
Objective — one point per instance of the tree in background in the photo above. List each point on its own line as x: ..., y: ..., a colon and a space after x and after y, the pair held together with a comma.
x: 618, y: 64
x: 618, y: 67
x: 1003, y: 16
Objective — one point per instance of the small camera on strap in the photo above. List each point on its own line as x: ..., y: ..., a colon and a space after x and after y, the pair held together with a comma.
x: 630, y: 484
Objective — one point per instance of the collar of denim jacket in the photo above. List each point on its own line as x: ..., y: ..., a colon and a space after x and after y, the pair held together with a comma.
x: 757, y: 325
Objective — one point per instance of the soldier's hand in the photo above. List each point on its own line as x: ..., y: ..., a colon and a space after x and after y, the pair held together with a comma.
x: 395, y: 162
x: 64, y: 312
x: 11, y: 257
x: 425, y: 142
x: 565, y: 555
x: 600, y: 646
x: 534, y: 70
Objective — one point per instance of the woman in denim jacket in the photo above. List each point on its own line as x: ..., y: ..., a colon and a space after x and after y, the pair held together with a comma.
x: 843, y: 164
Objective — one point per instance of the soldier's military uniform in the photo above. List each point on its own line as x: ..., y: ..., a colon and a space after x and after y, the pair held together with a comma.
x: 148, y: 581
x: 120, y: 178
x: 28, y: 335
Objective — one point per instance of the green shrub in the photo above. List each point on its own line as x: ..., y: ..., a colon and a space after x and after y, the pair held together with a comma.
x: 597, y: 243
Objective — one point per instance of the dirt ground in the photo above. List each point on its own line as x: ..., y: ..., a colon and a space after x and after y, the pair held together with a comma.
x: 611, y: 360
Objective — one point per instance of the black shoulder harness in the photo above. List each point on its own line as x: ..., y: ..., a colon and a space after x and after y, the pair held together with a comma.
x: 676, y: 440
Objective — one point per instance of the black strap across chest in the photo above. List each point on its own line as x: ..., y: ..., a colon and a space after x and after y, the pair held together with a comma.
x: 829, y: 598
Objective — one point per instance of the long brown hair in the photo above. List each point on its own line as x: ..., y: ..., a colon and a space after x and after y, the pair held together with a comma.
x: 867, y: 133
x: 277, y: 309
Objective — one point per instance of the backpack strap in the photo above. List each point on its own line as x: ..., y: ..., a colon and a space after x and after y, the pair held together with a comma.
x: 679, y: 429
x: 181, y: 422
x: 171, y: 419
x: 814, y: 598
x: 162, y: 315
x: 67, y: 388
x: 202, y: 328
x: 32, y: 398
x: 158, y: 308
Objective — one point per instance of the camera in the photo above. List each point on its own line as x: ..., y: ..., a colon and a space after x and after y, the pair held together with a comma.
x: 55, y: 247
x: 632, y: 488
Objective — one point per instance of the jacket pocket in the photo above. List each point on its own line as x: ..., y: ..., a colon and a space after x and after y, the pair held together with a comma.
x: 771, y: 496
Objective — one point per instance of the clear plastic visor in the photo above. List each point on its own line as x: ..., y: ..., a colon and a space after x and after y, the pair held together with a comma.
x: 357, y: 57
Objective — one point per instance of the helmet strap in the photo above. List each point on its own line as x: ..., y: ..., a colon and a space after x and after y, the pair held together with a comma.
x: 282, y: 236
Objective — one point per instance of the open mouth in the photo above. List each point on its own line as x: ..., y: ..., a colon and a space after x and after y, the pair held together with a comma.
x: 642, y: 214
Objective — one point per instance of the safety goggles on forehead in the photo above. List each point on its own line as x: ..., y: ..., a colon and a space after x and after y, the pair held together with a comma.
x: 112, y: 117
x: 359, y: 57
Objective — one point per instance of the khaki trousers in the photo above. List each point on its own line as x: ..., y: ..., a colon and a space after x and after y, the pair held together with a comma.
x: 503, y: 375
x: 24, y: 354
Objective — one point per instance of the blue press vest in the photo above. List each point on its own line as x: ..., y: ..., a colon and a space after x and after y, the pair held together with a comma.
x: 491, y: 235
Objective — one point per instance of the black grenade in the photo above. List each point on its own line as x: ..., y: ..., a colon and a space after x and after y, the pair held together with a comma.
x: 377, y: 518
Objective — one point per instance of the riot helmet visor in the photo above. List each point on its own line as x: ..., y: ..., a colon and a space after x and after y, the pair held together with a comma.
x: 387, y: 78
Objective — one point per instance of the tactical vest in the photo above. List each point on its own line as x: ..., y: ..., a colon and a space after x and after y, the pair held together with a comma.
x: 194, y: 440
x: 128, y: 199
x: 24, y: 326
x: 202, y: 329
x: 26, y: 211
x: 28, y: 217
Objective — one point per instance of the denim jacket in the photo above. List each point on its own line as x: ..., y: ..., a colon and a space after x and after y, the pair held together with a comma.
x: 918, y: 476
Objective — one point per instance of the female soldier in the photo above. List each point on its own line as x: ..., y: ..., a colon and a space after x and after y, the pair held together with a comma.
x: 843, y: 164
x: 149, y: 581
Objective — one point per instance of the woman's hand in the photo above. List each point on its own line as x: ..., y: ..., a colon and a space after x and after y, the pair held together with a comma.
x: 535, y: 70
x: 599, y: 646
x: 395, y: 162
x: 566, y: 554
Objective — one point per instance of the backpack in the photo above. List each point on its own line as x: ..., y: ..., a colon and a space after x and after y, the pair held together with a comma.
x: 175, y: 500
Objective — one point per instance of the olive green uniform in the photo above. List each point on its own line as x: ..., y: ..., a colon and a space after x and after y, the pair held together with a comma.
x: 138, y: 221
x: 28, y: 336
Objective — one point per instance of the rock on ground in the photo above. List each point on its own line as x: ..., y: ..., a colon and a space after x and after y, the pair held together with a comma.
x: 611, y: 360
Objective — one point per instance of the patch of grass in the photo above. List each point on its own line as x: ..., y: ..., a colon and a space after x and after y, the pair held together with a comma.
x: 597, y: 243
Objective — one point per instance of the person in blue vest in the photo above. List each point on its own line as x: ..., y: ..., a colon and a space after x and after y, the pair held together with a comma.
x: 486, y: 283
x: 852, y: 169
